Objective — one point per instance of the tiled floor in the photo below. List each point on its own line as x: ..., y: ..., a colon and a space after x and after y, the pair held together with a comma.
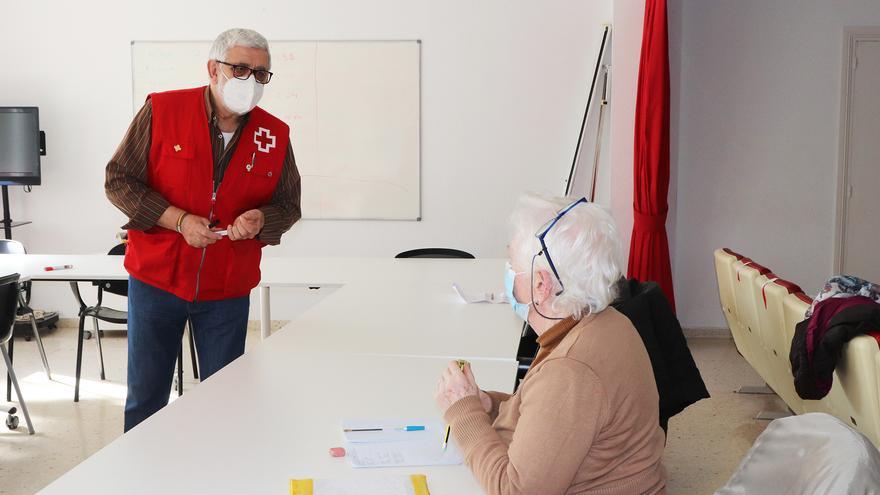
x: 705, y: 442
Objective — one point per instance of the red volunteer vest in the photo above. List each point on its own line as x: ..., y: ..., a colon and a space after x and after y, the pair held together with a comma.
x: 181, y: 169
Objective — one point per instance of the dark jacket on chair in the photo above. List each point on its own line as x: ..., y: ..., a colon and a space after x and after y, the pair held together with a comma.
x: 678, y: 380
x: 819, y: 340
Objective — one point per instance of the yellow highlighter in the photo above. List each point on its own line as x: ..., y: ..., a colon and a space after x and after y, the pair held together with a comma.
x: 461, y: 364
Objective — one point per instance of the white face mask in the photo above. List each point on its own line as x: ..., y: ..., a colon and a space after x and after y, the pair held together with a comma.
x: 240, y: 96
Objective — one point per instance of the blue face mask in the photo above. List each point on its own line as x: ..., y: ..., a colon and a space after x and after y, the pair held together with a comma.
x: 521, y: 310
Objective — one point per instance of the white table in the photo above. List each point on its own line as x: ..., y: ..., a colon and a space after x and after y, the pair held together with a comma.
x: 270, y: 416
x: 374, y: 348
x: 415, y: 292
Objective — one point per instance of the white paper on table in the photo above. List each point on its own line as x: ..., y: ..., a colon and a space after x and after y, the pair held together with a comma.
x: 398, y: 448
x: 410, y: 453
x: 489, y: 297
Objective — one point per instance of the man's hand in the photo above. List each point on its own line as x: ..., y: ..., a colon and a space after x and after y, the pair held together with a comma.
x: 246, y: 226
x: 196, y: 232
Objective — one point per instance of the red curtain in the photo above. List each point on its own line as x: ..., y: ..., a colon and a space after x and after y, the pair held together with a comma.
x: 649, y: 248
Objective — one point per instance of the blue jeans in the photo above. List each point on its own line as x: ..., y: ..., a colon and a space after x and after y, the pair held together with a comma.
x: 156, y: 320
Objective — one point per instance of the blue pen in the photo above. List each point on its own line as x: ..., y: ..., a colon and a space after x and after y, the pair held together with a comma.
x: 412, y: 428
x: 402, y: 428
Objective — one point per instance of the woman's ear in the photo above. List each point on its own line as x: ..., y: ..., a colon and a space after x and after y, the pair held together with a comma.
x: 543, y: 287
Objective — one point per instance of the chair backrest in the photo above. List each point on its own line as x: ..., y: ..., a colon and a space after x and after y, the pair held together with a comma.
x: 724, y: 260
x: 796, y: 306
x: 435, y: 253
x: 8, y: 305
x: 745, y: 273
x: 770, y: 294
x: 118, y: 287
x: 855, y: 394
x: 8, y: 246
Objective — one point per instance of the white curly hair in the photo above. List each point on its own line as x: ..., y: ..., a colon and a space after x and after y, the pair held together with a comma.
x: 584, y: 246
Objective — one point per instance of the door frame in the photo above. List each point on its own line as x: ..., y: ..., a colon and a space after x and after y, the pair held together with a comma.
x: 851, y: 36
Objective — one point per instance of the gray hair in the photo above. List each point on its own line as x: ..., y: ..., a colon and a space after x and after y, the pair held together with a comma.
x: 237, y: 37
x: 584, y: 245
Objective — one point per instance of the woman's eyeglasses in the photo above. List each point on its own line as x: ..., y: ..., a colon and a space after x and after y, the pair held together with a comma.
x: 542, y: 233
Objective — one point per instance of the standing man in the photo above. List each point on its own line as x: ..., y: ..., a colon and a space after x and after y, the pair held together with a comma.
x: 194, y: 163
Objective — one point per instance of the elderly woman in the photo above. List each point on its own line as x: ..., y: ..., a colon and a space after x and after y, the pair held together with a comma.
x: 585, y: 417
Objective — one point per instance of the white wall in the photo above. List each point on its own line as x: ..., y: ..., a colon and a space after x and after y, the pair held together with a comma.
x: 628, y: 25
x: 757, y: 147
x: 503, y: 87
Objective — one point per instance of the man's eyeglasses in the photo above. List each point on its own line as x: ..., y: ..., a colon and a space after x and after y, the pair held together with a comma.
x: 243, y: 72
x: 542, y: 233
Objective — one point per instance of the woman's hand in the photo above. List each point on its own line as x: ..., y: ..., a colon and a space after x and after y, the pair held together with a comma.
x: 456, y: 384
x: 486, y: 400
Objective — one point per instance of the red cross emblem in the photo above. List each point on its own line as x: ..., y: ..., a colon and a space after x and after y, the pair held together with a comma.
x: 264, y: 140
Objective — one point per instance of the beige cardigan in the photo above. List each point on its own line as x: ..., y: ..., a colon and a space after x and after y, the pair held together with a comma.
x: 584, y: 419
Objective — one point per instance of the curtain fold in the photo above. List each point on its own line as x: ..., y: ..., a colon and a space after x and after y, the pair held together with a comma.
x: 649, y: 247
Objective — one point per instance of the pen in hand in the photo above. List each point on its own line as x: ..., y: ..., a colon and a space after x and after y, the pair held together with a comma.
x: 215, y: 223
x: 461, y: 364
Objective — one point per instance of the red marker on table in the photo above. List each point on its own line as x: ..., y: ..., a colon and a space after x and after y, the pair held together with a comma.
x: 59, y: 267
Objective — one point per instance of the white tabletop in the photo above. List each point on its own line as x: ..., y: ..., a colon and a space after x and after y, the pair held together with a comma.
x: 271, y: 416
x: 425, y: 318
x: 85, y: 266
x: 386, y: 306
x: 374, y: 348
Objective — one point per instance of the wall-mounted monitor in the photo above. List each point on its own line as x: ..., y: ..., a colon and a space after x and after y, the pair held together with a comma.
x: 20, y: 146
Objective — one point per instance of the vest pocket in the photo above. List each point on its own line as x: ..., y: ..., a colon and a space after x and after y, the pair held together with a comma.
x: 172, y: 174
x: 153, y: 257
x: 243, y: 267
x: 260, y: 182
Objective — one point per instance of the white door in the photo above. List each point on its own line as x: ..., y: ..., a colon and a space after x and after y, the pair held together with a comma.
x: 861, y: 256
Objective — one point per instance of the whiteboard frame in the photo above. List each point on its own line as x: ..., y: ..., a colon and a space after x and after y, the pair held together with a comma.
x: 418, y: 43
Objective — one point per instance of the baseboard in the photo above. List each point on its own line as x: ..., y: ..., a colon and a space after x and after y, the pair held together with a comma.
x: 707, y: 333
x: 73, y: 323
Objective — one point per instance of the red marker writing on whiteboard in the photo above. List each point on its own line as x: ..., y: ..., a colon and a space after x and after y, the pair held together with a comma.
x: 59, y: 267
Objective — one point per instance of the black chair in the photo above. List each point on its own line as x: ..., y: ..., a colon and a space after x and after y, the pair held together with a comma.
x: 9, y: 295
x: 8, y: 246
x: 435, y: 253
x: 525, y: 354
x: 99, y: 312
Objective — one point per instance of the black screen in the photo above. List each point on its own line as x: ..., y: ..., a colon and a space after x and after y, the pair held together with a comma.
x: 19, y: 146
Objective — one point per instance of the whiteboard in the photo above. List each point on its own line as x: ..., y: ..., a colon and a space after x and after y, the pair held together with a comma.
x: 353, y: 108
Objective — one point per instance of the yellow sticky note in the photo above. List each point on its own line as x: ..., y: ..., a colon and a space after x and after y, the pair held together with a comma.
x: 302, y: 487
x: 420, y: 484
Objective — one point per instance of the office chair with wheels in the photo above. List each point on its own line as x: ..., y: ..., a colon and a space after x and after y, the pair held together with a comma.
x: 8, y: 246
x: 435, y: 253
x: 9, y: 295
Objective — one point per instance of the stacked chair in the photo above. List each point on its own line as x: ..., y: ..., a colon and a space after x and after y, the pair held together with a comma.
x: 762, y: 310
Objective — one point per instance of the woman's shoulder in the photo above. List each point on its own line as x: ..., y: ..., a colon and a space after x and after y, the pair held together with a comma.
x: 603, y: 340
x: 608, y: 325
